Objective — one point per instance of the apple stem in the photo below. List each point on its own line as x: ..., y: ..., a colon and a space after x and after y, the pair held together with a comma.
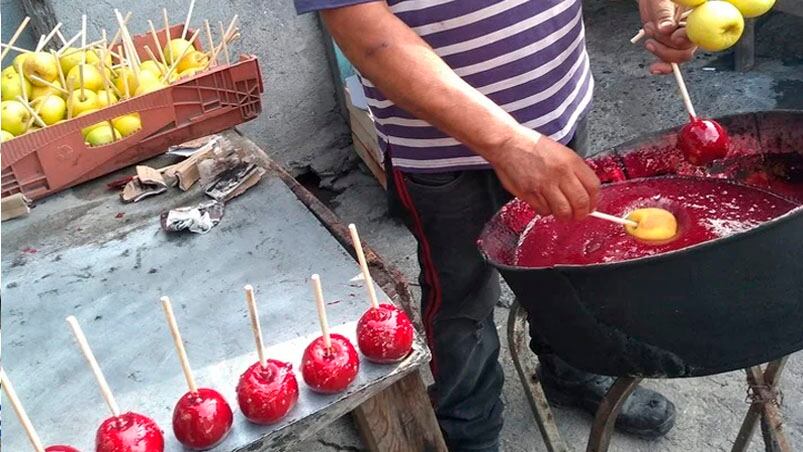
x: 256, y: 328
x: 683, y: 91
x: 321, y: 305
x: 369, y: 282
x: 14, y: 37
x: 21, y: 414
x: 93, y: 364
x: 182, y: 353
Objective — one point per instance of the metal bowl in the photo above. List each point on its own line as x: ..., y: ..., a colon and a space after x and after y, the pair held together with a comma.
x: 721, y: 305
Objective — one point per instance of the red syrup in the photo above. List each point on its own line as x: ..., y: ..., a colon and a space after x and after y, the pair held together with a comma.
x: 705, y: 209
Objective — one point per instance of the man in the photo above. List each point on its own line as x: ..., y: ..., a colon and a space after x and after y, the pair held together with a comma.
x: 476, y: 101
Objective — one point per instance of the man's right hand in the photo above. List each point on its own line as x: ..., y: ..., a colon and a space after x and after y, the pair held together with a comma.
x: 547, y: 175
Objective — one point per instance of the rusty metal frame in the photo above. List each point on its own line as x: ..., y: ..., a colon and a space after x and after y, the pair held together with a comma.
x: 763, y: 385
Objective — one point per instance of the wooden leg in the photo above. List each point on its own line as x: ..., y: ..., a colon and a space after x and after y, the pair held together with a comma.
x: 608, y: 411
x: 517, y: 343
x: 745, y: 50
x: 400, y: 419
x: 771, y: 425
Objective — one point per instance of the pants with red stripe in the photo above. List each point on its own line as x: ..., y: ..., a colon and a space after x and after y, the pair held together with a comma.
x: 446, y: 212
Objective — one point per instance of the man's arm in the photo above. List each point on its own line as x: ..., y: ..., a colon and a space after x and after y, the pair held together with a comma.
x: 537, y: 169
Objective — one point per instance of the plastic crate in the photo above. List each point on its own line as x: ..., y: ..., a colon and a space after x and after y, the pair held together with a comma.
x: 55, y: 158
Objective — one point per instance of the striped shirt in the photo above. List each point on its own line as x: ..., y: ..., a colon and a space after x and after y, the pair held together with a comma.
x: 528, y: 56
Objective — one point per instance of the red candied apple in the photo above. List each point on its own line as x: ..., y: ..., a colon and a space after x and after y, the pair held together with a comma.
x: 385, y: 334
x: 129, y: 432
x: 60, y: 448
x: 330, y: 370
x: 267, y: 393
x: 202, y: 419
x: 703, y: 141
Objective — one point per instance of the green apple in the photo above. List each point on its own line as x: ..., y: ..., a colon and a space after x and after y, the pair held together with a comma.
x: 12, y: 85
x: 147, y: 83
x: 102, y: 135
x: 127, y: 124
x: 78, y: 104
x: 85, y: 131
x: 193, y: 60
x: 715, y: 25
x: 51, y: 108
x: 42, y: 91
x: 70, y: 58
x: 126, y: 81
x: 5, y: 135
x: 752, y: 8
x: 19, y: 60
x: 42, y: 65
x: 106, y: 98
x: 7, y: 71
x: 93, y: 79
x: 14, y: 117
x: 175, y: 48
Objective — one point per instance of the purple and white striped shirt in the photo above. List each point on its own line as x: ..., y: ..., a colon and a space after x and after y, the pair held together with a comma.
x: 528, y: 56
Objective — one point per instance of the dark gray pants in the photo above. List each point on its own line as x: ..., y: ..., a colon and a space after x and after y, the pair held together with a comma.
x: 446, y: 213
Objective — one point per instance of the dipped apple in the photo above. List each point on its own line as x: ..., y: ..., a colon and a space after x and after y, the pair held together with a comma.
x: 384, y: 332
x: 202, y: 418
x: 703, y: 141
x: 126, y: 432
x: 5, y: 382
x: 330, y: 362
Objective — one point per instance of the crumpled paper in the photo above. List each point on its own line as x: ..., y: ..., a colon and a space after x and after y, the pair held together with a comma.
x: 199, y: 219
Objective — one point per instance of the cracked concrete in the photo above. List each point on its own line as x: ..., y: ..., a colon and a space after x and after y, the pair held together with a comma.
x: 627, y: 103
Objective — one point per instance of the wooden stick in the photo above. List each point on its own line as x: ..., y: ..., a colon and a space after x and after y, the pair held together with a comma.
x: 182, y: 353
x: 93, y: 364
x: 168, y: 35
x: 21, y: 414
x: 369, y: 282
x: 641, y: 33
x: 14, y: 48
x: 321, y: 305
x: 59, y: 69
x: 43, y: 42
x: 103, y: 54
x: 34, y: 78
x: 125, y: 74
x: 173, y: 66
x: 35, y: 113
x: 187, y: 22
x: 83, y: 56
x: 68, y: 44
x: 61, y: 37
x: 119, y: 31
x: 15, y: 36
x: 130, y: 49
x: 255, y: 326
x: 223, y: 43
x: 150, y: 53
x: 683, y: 91
x: 156, y: 43
x: 69, y: 102
x: 613, y: 219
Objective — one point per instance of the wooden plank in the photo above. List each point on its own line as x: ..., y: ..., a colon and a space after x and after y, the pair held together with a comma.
x: 400, y: 419
x: 43, y: 19
x: 370, y: 162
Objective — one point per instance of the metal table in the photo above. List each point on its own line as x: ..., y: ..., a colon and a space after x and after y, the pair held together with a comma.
x: 82, y: 252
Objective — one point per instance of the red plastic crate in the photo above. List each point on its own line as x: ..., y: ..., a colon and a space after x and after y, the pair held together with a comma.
x: 56, y: 157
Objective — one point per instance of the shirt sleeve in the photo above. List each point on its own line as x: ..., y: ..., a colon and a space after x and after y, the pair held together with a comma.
x: 306, y: 6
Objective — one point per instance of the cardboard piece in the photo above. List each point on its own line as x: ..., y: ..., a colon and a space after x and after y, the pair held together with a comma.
x: 15, y: 206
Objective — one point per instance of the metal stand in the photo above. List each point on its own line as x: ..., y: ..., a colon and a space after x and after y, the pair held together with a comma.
x: 762, y: 384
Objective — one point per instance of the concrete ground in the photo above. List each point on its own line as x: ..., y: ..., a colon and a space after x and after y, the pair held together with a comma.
x: 628, y: 102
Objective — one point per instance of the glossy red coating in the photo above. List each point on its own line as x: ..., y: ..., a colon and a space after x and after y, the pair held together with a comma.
x: 703, y: 141
x: 129, y: 432
x: 60, y: 448
x: 385, y: 334
x: 267, y: 394
x: 330, y: 370
x: 202, y: 419
x: 705, y: 209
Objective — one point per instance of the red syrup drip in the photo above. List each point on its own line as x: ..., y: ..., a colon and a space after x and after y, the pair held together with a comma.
x: 706, y: 209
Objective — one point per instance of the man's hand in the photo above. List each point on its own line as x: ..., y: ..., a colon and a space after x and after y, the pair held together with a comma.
x: 667, y: 40
x: 547, y: 175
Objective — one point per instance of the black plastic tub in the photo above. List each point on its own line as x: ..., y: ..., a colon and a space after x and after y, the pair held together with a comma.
x: 714, y: 307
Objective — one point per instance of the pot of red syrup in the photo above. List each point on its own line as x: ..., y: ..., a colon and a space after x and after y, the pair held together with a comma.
x: 725, y: 303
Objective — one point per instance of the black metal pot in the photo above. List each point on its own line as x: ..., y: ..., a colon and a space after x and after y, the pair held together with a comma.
x: 715, y: 307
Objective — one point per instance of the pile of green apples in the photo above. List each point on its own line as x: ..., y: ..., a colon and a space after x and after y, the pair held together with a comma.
x: 716, y: 25
x: 33, y: 84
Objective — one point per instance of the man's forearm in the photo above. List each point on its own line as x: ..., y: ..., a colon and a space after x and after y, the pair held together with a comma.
x: 412, y: 75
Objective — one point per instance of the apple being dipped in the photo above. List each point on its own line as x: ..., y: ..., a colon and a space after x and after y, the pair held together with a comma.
x: 129, y: 432
x: 60, y: 448
x: 268, y: 389
x: 703, y: 141
x: 266, y: 393
x: 330, y: 369
x: 202, y: 419
x: 385, y: 334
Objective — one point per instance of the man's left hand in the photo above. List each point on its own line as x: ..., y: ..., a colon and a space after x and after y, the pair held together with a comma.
x: 666, y: 39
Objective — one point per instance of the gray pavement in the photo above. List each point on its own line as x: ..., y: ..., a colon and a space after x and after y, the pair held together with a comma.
x: 627, y: 103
